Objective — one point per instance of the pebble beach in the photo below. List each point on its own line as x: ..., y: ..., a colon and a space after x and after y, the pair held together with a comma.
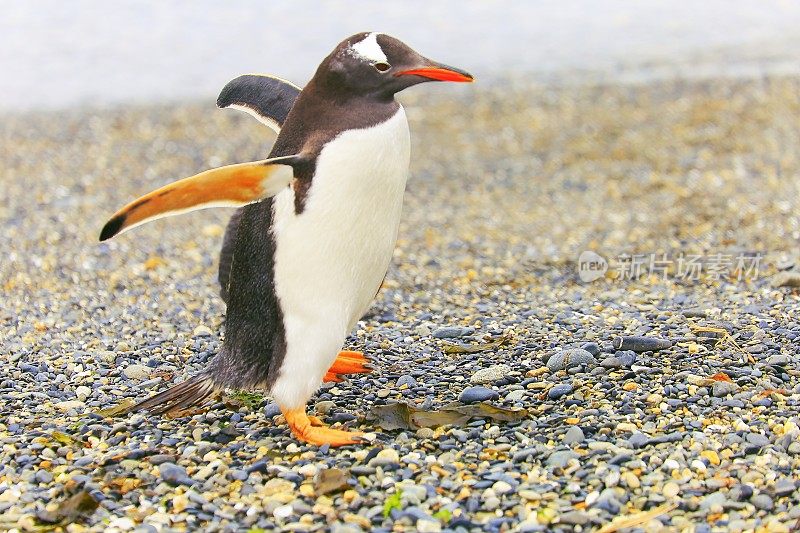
x: 511, y: 392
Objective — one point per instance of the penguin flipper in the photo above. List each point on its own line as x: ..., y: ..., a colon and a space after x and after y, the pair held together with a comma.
x: 267, y: 98
x: 230, y: 186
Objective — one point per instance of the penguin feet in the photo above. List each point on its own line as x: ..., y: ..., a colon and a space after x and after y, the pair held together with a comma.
x: 310, y: 429
x: 347, y: 363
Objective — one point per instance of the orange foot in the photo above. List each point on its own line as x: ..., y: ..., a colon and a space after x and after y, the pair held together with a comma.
x: 312, y: 430
x: 347, y: 363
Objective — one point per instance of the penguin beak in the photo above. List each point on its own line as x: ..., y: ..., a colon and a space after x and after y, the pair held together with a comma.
x: 438, y: 72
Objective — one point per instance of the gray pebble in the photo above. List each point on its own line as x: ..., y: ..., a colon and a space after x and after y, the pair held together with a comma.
x: 237, y: 474
x: 271, y: 409
x: 161, y: 458
x: 777, y: 359
x: 575, y: 518
x: 757, y: 439
x: 712, y: 500
x: 573, y: 435
x: 559, y: 390
x: 626, y: 357
x: 641, y: 344
x: 723, y: 388
x: 560, y: 459
x: 407, y: 380
x: 608, y: 502
x: 174, y: 474
x: 491, y: 503
x: 516, y: 395
x: 43, y: 476
x: 762, y: 502
x: 340, y: 527
x: 452, y: 332
x: 638, y: 439
x: 741, y: 492
x: 477, y: 394
x: 570, y: 358
x: 784, y: 487
x: 611, y: 362
x: 523, y: 454
x: 591, y: 347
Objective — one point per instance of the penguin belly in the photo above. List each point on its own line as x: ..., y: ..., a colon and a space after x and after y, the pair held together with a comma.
x: 331, y: 258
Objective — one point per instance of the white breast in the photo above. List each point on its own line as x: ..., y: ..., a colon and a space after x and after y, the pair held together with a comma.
x: 331, y: 258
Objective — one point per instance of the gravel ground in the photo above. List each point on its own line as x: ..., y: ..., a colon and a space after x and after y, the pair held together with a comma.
x: 692, y: 428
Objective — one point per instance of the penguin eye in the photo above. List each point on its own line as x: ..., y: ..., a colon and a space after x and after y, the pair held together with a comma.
x: 382, y: 67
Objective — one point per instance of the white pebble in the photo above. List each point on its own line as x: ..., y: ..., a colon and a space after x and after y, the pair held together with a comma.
x: 308, y: 470
x: 83, y: 392
x: 591, y: 498
x: 501, y: 487
x: 612, y: 478
x: 670, y: 465
x: 428, y: 526
x: 68, y: 405
x: 283, y: 511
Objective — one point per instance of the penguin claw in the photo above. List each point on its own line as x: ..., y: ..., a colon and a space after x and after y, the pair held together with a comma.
x: 310, y: 429
x: 348, y: 362
x: 330, y: 377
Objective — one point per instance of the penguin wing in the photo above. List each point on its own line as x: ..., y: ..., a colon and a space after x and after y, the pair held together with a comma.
x: 267, y: 98
x: 229, y: 186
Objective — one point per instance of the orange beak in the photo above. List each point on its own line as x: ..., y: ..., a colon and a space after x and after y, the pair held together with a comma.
x: 439, y: 73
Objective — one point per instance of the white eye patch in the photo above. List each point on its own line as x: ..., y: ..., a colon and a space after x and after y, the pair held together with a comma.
x: 369, y: 49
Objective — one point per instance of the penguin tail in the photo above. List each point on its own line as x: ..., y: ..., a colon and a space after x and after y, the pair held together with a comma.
x: 190, y: 393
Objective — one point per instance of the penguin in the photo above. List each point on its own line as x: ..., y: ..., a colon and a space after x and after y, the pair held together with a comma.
x: 309, y: 246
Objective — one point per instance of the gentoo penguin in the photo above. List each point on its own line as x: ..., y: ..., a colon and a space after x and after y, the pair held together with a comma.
x: 305, y: 256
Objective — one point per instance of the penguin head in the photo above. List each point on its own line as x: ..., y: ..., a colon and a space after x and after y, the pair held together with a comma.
x: 376, y: 64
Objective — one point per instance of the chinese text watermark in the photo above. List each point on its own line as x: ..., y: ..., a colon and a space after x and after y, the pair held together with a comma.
x: 686, y: 267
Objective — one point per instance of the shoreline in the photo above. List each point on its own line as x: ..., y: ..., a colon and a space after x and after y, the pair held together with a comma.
x: 702, y: 68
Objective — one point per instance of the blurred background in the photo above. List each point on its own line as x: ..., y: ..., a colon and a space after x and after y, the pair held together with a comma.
x: 617, y: 126
x: 55, y: 54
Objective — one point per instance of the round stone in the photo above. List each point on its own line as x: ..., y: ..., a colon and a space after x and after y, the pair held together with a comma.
x: 670, y: 489
x: 137, y: 372
x: 490, y: 374
x: 574, y: 435
x: 558, y: 391
x: 477, y: 394
x: 570, y: 358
